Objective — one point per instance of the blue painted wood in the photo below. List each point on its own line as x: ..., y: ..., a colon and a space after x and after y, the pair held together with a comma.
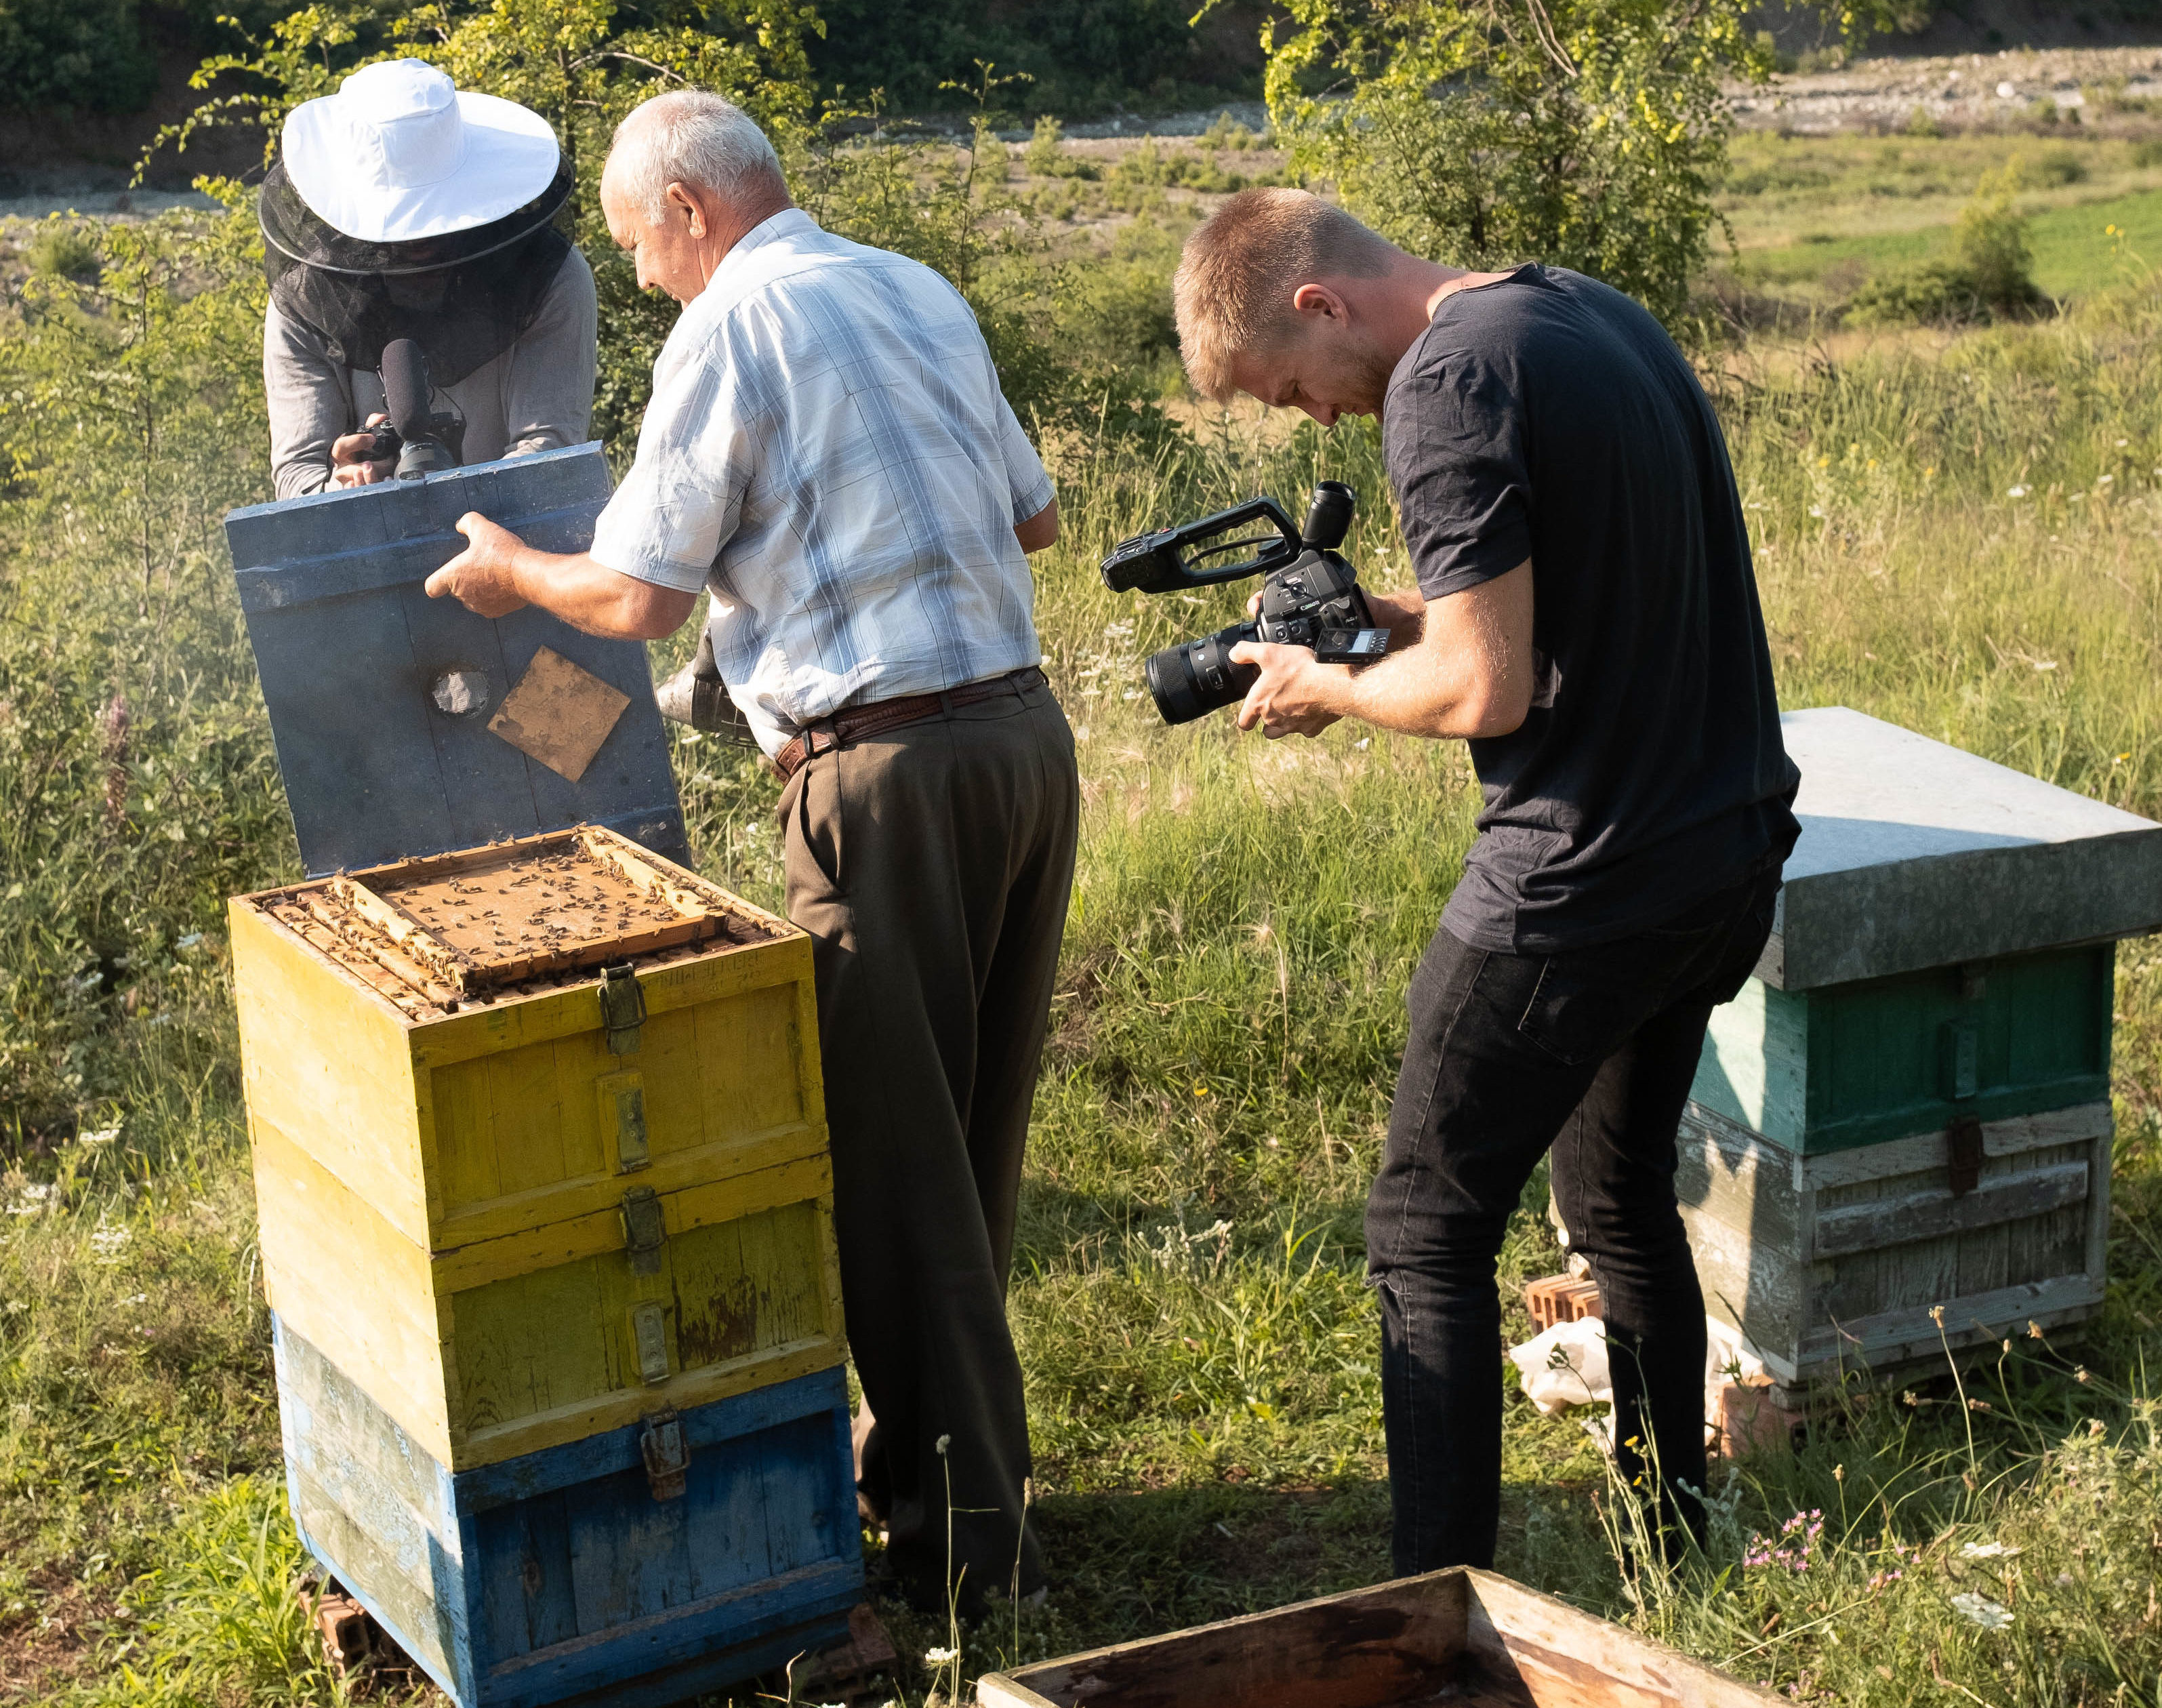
x: 557, y: 1577
x: 348, y: 646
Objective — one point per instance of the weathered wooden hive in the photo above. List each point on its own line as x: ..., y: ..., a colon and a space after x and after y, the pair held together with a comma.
x: 1907, y: 1109
x: 539, y: 1134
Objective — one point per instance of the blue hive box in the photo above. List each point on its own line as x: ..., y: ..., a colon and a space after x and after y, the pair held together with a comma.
x: 406, y: 725
x: 643, y: 1566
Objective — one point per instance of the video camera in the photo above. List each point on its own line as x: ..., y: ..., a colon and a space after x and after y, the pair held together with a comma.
x: 423, y: 442
x: 1311, y: 597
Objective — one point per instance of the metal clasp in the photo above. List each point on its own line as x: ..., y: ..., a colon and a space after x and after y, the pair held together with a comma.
x: 623, y: 1008
x: 644, y: 1230
x: 666, y: 1452
x: 1963, y: 1156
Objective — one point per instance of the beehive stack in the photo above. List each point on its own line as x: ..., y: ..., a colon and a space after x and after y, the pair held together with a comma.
x: 1906, y: 1112
x: 541, y: 1170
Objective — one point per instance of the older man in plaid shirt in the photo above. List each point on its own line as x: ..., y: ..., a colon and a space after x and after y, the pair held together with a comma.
x: 828, y: 452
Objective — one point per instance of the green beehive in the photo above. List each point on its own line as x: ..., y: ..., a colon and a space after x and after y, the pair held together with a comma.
x: 1907, y: 1109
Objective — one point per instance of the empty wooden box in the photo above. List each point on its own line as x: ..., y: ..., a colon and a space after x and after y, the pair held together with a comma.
x: 1455, y: 1637
x: 539, y: 1138
x: 1908, y: 1108
x: 640, y: 1566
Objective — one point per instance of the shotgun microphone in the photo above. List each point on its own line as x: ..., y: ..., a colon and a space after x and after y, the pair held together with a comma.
x: 429, y: 442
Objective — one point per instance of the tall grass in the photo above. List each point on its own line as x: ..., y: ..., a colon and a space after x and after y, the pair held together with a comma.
x: 1199, y: 1346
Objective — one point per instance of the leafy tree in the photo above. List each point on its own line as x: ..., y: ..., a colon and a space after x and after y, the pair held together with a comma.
x: 572, y: 62
x: 74, y: 53
x: 1585, y: 132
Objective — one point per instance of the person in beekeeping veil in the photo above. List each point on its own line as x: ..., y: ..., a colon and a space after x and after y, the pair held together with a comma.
x: 404, y: 207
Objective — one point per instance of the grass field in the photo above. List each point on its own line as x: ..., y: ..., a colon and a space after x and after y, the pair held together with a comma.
x: 1200, y: 1350
x: 1813, y: 216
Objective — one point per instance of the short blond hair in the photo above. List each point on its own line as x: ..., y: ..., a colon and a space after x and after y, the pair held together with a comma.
x: 1241, y: 265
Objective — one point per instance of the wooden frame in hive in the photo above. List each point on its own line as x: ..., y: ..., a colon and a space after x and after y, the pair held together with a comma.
x: 506, y: 1231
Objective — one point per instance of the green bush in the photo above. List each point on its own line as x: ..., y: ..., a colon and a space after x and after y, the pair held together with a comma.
x: 89, y: 53
x: 1989, y: 273
x: 1928, y: 293
x: 63, y: 250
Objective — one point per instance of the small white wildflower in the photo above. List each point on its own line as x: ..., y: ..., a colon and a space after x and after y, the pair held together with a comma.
x: 2015, y: 491
x: 109, y: 1242
x: 1363, y: 743
x: 98, y: 1137
x: 940, y: 1656
x: 1990, y: 1615
x: 1988, y: 1550
x: 1817, y: 510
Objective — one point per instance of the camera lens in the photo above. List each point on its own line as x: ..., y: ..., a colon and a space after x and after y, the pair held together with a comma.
x: 1193, y: 679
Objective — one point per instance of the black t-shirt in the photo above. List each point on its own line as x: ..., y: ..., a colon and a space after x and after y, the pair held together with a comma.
x: 1547, y: 417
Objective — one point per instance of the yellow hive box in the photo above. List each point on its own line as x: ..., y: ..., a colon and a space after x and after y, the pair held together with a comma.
x: 540, y: 1141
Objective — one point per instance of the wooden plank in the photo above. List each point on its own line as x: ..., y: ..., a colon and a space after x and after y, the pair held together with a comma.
x: 526, y: 1018
x: 1564, y: 1658
x: 1460, y: 1636
x: 325, y: 1059
x: 748, y: 1070
x: 601, y: 1230
x: 1911, y: 1331
x: 1394, y: 1644
x: 1927, y: 1151
x: 600, y: 1193
x: 1928, y: 1214
x: 352, y: 1284
x: 522, y: 1572
x: 354, y: 1550
x: 1754, y: 1067
x: 602, y: 1452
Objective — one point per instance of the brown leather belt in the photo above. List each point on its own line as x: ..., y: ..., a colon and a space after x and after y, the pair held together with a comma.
x: 857, y: 722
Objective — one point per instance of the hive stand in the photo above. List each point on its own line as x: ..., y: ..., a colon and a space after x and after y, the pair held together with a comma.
x: 1908, y: 1107
x: 388, y: 707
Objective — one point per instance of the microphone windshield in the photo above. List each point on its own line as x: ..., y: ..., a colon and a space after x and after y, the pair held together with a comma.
x: 405, y: 388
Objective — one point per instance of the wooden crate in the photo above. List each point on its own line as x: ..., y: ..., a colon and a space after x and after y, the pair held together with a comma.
x: 1456, y: 1636
x: 1840, y: 1065
x: 1906, y: 1110
x: 510, y: 1222
x: 583, y: 1574
x: 1833, y: 1264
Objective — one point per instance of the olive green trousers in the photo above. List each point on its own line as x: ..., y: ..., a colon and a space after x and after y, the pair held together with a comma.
x: 931, y: 866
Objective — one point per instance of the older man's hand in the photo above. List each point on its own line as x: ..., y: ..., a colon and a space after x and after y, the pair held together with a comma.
x: 1295, y: 695
x: 483, y: 577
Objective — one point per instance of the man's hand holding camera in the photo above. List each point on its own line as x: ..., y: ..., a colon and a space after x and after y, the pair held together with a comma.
x: 1297, y: 694
x: 356, y: 459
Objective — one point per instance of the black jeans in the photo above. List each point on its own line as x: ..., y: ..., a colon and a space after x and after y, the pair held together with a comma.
x: 1590, y: 1053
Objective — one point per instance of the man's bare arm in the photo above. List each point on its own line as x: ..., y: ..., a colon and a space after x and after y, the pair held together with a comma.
x: 1040, y: 530
x: 1459, y: 666
x: 498, y: 573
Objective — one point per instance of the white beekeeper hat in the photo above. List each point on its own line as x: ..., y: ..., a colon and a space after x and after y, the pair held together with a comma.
x: 399, y: 152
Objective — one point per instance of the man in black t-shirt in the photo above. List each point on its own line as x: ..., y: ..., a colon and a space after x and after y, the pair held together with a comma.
x: 1586, y: 617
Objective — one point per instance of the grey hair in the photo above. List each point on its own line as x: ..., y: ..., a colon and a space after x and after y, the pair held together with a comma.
x: 688, y: 135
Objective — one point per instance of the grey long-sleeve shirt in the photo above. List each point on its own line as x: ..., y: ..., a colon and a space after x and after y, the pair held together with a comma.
x: 536, y: 396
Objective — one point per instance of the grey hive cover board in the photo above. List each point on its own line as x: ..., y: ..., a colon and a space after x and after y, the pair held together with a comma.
x: 358, y: 666
x: 1914, y: 854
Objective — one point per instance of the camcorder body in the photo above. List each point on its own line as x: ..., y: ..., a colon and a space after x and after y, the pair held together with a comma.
x: 1310, y: 597
x: 424, y: 442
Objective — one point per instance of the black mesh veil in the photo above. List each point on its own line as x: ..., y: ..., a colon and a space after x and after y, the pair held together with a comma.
x: 464, y: 298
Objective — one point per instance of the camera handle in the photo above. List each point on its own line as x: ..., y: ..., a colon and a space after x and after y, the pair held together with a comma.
x: 1172, y: 560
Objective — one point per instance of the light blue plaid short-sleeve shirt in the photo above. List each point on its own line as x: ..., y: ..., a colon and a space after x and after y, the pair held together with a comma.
x: 828, y: 450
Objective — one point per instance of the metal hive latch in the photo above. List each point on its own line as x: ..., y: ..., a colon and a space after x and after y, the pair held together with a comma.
x: 623, y: 1008
x: 666, y: 1451
x: 644, y: 1231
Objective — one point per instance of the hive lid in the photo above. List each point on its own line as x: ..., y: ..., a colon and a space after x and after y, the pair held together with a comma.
x: 434, y: 933
x: 406, y: 725
x: 1914, y: 854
